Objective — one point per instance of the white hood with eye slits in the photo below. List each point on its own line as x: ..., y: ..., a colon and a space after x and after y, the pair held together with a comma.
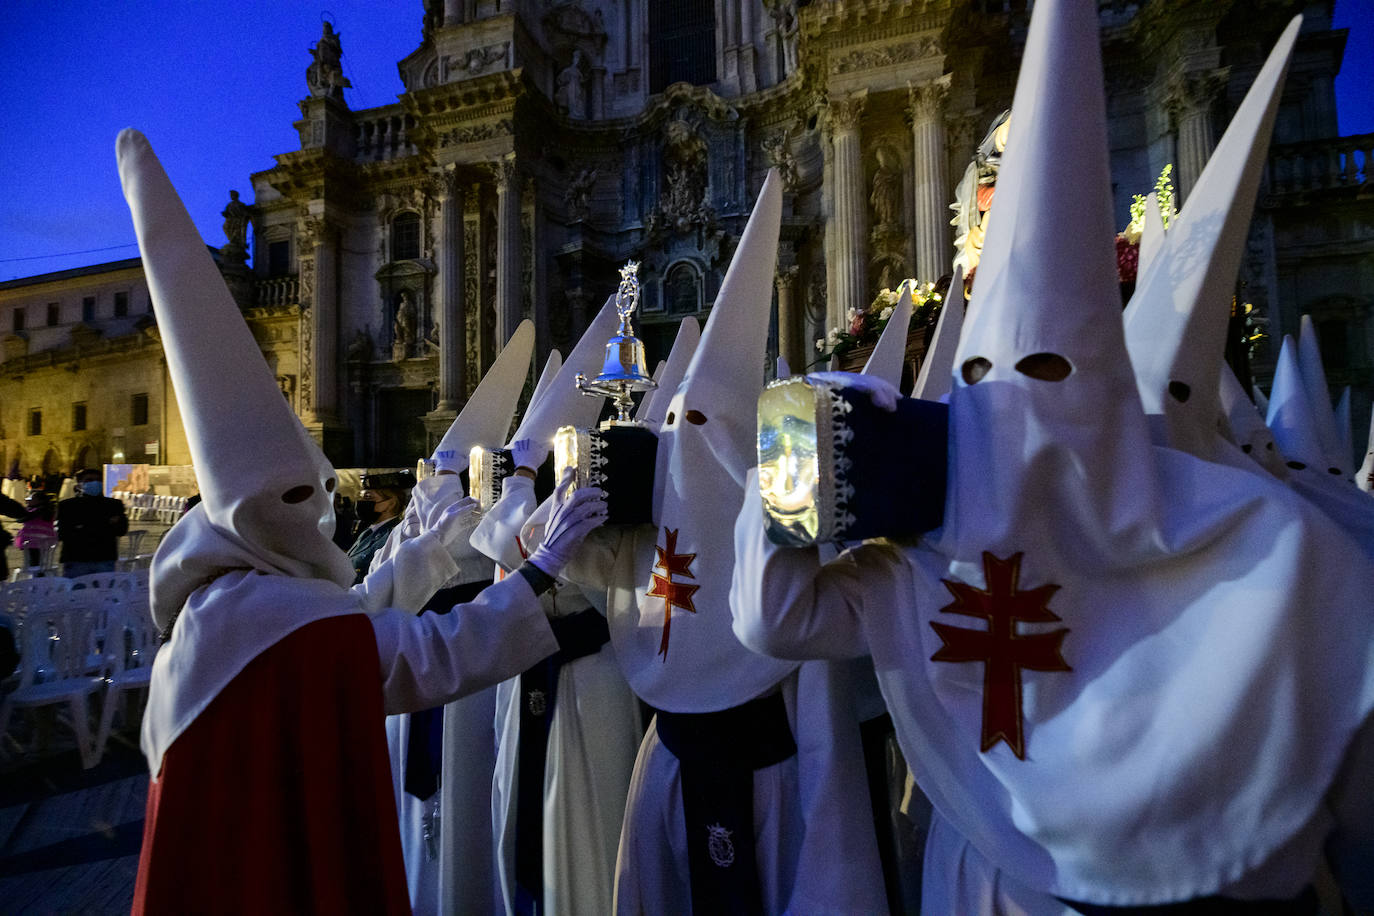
x: 1178, y: 711
x: 255, y: 560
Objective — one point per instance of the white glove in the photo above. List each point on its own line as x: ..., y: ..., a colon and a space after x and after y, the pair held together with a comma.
x: 454, y: 527
x: 575, y: 513
x: 528, y: 453
x: 882, y: 393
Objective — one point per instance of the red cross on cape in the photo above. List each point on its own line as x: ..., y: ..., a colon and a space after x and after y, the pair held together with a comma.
x: 674, y: 594
x: 1004, y: 652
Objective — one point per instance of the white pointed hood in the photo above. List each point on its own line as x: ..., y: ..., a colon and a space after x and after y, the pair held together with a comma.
x: 551, y: 367
x: 1151, y: 236
x: 563, y: 404
x: 1179, y: 315
x: 485, y: 418
x: 725, y: 376
x: 266, y: 488
x: 937, y: 368
x: 684, y: 348
x: 646, y: 401
x: 1291, y: 417
x: 1319, y: 394
x: 680, y: 653
x: 1248, y: 431
x: 1261, y: 401
x: 889, y: 353
x: 1364, y: 478
x: 782, y: 370
x: 1147, y: 577
x: 1045, y: 306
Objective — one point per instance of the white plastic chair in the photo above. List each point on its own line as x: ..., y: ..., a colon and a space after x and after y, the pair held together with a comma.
x: 16, y: 598
x: 139, y: 639
x: 57, y: 643
x: 47, y: 566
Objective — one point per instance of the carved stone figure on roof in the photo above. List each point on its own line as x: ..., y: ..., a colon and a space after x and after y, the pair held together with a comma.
x: 236, y: 216
x: 325, y: 75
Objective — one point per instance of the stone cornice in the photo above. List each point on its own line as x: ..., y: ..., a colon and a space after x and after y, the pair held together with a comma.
x: 315, y: 174
x: 474, y: 99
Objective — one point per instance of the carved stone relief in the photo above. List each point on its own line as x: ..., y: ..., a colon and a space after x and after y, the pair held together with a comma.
x: 886, y: 56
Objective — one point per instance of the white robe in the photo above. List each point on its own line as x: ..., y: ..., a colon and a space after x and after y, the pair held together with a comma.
x: 593, y: 737
x: 1155, y: 716
x: 814, y: 842
x: 447, y: 870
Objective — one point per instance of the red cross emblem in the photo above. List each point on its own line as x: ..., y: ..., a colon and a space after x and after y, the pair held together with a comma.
x: 674, y: 594
x: 1003, y: 651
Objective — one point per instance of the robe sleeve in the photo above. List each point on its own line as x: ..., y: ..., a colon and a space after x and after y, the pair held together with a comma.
x: 498, y: 533
x: 784, y: 602
x: 433, y: 659
x: 591, y: 566
x: 408, y: 575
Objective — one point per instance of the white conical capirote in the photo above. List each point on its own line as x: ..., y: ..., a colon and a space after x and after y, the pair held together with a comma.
x: 937, y: 366
x: 1319, y: 394
x: 1179, y: 315
x: 782, y: 369
x: 1261, y: 401
x: 646, y: 401
x: 674, y: 368
x: 485, y: 419
x: 1247, y: 426
x: 889, y: 353
x: 1044, y: 400
x: 725, y: 375
x: 264, y: 482
x: 563, y: 404
x: 1151, y: 235
x: 1290, y: 411
x: 551, y: 367
x: 1364, y: 478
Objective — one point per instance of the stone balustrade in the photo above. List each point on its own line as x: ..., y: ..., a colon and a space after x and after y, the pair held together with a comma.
x: 382, y: 134
x: 1319, y: 165
x: 275, y: 292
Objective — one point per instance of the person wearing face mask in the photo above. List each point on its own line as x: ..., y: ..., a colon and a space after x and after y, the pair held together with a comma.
x: 88, y: 527
x: 379, y: 509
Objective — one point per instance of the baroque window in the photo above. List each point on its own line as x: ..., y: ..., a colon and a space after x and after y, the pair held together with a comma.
x: 405, y: 237
x: 682, y: 43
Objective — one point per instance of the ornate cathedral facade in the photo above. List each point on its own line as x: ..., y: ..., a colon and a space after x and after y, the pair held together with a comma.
x: 539, y: 145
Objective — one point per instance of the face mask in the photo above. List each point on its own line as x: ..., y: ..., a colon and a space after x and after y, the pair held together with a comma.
x: 366, y: 510
x: 91, y: 488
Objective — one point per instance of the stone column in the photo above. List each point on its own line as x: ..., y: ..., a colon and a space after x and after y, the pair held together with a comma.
x: 320, y: 403
x: 507, y: 248
x: 453, y: 12
x: 452, y: 352
x: 1190, y: 105
x: 848, y: 251
x: 930, y: 178
x: 789, y: 321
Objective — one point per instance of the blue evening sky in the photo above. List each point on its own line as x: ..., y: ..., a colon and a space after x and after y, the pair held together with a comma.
x: 214, y: 85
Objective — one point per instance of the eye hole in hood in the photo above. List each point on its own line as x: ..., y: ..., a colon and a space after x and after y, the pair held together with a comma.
x: 974, y: 370
x: 1180, y: 392
x: 297, y: 494
x: 1047, y: 367
x: 695, y: 417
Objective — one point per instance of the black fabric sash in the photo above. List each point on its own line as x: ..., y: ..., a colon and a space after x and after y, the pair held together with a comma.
x: 719, y: 752
x: 1305, y: 904
x: 578, y: 635
x: 425, y: 745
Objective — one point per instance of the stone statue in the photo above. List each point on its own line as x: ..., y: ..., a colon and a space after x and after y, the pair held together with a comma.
x: 403, y: 328
x: 777, y: 149
x: 360, y: 347
x: 570, y: 93
x: 236, y: 215
x: 578, y: 194
x: 784, y: 13
x: 325, y: 76
x: 886, y: 197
